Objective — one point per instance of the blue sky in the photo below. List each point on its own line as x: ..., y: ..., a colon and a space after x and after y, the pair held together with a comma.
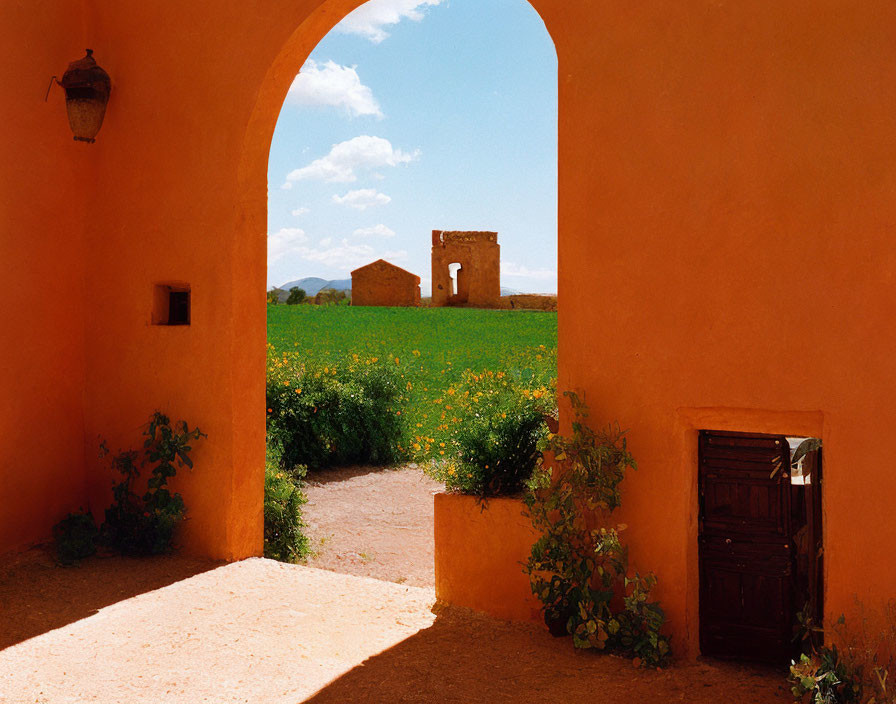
x: 415, y: 115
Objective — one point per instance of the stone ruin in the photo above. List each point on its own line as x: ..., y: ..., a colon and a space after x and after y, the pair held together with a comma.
x: 476, y: 257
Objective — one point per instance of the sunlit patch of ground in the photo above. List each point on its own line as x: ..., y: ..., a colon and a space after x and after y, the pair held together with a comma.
x: 261, y: 631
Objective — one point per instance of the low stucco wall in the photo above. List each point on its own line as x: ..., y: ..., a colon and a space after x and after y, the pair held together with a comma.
x: 480, y: 549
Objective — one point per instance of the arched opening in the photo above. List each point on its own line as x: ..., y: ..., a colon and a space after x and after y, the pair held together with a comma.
x: 454, y: 270
x: 363, y: 166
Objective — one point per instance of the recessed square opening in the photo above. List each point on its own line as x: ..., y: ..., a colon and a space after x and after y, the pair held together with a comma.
x: 171, y: 304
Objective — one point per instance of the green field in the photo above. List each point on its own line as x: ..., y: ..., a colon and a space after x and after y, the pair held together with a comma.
x: 433, y: 346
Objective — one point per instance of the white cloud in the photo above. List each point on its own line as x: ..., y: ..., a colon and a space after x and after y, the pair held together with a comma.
x: 287, y: 240
x: 344, y: 256
x: 333, y: 85
x: 345, y: 158
x: 371, y: 19
x: 300, y: 211
x: 512, y: 269
x: 287, y: 186
x: 395, y: 255
x: 362, y: 198
x: 375, y: 231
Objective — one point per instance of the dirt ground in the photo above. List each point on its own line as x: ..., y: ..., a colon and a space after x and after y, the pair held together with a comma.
x: 265, y: 632
x: 373, y: 522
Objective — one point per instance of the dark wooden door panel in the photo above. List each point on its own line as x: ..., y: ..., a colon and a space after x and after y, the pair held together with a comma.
x: 739, y: 503
x: 746, y: 556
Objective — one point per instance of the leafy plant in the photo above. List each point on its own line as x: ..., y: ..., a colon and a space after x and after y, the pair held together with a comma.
x: 75, y: 537
x: 335, y: 415
x: 855, y: 668
x: 579, y: 572
x: 145, y: 525
x: 284, y: 537
x: 296, y: 296
x: 273, y: 296
x: 490, y: 447
x: 823, y: 678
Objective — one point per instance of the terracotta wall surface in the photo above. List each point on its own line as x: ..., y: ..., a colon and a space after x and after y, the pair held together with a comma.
x: 727, y: 199
x: 383, y: 284
x: 43, y: 173
x: 479, y: 551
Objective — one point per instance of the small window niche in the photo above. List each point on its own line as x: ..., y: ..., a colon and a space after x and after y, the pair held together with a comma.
x: 171, y: 304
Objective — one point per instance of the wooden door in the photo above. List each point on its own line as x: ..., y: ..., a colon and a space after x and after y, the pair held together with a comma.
x: 745, y: 552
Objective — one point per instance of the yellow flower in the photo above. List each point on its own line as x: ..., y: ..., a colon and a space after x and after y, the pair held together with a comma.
x: 451, y: 392
x: 298, y: 391
x: 538, y: 393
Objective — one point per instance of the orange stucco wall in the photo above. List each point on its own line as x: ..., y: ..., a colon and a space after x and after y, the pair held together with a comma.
x: 479, y: 548
x: 727, y: 200
x: 42, y: 211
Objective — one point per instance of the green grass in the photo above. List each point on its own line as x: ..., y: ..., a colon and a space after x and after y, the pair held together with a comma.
x: 433, y: 346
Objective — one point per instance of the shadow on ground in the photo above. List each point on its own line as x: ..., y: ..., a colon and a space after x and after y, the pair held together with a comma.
x: 37, y: 595
x: 468, y: 657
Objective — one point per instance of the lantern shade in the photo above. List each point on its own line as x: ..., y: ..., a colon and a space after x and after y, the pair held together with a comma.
x: 87, y: 88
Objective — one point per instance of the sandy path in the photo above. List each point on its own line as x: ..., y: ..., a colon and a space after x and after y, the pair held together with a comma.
x: 373, y: 522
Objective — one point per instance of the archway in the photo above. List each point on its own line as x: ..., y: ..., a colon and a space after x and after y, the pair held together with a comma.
x: 423, y: 235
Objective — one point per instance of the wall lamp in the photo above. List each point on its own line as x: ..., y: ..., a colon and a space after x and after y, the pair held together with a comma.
x: 87, y: 88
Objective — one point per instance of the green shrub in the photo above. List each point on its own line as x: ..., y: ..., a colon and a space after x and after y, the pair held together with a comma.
x: 579, y: 572
x: 145, y: 525
x: 335, y: 415
x: 284, y: 537
x: 822, y: 677
x: 75, y: 537
x: 488, y: 442
x: 856, y: 664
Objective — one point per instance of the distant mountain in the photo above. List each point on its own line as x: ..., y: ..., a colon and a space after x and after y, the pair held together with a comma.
x: 310, y: 284
x: 339, y: 284
x: 510, y: 291
x: 313, y: 285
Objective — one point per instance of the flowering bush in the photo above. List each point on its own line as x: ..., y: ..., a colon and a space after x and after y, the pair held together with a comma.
x: 323, y: 415
x: 434, y: 345
x: 487, y: 442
